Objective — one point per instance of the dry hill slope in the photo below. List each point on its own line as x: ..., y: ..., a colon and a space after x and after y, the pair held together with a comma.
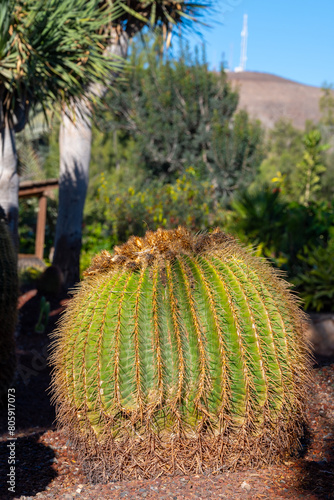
x: 269, y: 97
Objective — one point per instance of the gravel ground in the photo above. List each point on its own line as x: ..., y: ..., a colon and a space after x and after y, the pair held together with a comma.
x: 46, y: 467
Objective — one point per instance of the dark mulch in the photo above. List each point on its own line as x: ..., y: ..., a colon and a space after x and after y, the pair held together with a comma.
x: 46, y: 467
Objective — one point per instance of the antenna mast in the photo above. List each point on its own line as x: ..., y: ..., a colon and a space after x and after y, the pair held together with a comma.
x: 243, y: 54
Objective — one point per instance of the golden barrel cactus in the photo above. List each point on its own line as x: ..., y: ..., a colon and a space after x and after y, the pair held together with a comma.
x: 180, y: 353
x: 8, y: 306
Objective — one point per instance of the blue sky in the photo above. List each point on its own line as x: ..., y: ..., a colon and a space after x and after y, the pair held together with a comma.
x: 293, y: 39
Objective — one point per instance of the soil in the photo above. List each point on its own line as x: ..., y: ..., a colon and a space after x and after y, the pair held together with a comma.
x: 47, y: 468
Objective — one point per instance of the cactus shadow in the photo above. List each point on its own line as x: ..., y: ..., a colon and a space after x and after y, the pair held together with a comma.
x: 316, y: 474
x: 32, y: 402
x: 33, y: 467
x: 33, y: 408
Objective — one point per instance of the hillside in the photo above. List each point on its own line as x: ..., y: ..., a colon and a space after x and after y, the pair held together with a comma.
x: 269, y: 97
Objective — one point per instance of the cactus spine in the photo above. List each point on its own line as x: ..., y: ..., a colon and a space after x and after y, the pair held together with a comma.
x: 180, y: 353
x: 8, y: 306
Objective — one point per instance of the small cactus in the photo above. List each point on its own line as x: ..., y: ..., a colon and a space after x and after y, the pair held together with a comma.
x: 8, y: 306
x: 43, y: 318
x: 180, y: 353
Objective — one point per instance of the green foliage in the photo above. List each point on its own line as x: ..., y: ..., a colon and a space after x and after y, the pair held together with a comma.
x: 311, y: 167
x: 295, y: 163
x: 259, y: 218
x: 115, y: 155
x: 281, y: 230
x: 49, y: 51
x: 236, y: 152
x: 28, y: 211
x: 315, y: 283
x: 286, y: 212
x: 8, y: 306
x: 305, y: 226
x: 134, y: 15
x: 180, y: 114
x: 284, y: 149
x: 327, y: 179
x: 119, y: 211
x: 180, y: 353
x: 326, y: 105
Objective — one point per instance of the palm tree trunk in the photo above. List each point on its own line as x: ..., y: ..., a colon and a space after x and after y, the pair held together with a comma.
x: 75, y: 145
x: 9, y: 180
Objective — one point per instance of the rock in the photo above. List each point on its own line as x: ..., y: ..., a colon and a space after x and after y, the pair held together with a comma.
x: 321, y: 334
x: 245, y: 486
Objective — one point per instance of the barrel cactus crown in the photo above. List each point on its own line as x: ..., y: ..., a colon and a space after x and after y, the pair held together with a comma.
x: 8, y: 306
x: 180, y: 353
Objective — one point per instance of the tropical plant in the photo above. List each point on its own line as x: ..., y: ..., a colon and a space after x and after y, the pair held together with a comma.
x: 50, y: 50
x: 311, y: 167
x: 315, y: 281
x: 8, y: 306
x: 280, y: 230
x: 180, y: 353
x: 260, y: 216
x: 130, y: 17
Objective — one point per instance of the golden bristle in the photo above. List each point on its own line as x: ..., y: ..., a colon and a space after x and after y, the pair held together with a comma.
x: 163, y: 243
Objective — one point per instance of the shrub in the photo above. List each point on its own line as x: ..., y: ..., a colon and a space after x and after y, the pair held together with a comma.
x: 315, y: 283
x: 281, y: 230
x: 122, y: 210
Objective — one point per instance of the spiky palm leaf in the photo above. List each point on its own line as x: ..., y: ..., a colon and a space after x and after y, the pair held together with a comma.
x: 163, y: 11
x: 50, y: 50
x: 133, y: 15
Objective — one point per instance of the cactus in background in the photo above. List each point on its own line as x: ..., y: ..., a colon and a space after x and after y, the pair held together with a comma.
x: 180, y: 353
x: 8, y: 306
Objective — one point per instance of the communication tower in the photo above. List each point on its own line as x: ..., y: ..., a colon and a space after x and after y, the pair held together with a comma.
x: 243, y: 54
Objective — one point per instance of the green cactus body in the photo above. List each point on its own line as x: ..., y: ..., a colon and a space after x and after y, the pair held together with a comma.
x: 8, y: 307
x: 180, y: 353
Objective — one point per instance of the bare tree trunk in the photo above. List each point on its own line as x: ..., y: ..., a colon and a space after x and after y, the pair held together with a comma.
x: 75, y: 145
x: 9, y: 180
